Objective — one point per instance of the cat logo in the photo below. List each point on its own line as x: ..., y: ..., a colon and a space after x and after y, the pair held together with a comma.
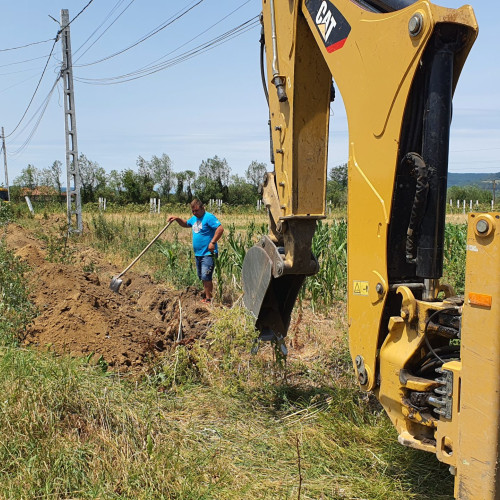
x: 332, y: 26
x: 325, y: 21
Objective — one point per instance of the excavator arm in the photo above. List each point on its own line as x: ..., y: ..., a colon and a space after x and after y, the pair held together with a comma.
x: 431, y: 359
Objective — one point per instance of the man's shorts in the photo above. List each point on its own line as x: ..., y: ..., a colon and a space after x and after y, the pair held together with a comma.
x: 205, y: 267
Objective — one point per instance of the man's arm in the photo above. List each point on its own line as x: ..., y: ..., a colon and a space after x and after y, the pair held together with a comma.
x: 181, y: 222
x: 215, y: 238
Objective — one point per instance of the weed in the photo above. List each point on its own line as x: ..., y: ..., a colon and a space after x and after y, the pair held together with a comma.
x: 58, y: 249
x: 16, y: 311
x: 103, y: 230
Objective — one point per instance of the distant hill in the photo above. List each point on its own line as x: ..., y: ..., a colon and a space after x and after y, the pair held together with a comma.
x: 461, y: 180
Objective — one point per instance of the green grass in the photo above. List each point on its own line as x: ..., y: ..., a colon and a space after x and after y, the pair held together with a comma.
x: 207, y: 422
x: 226, y: 426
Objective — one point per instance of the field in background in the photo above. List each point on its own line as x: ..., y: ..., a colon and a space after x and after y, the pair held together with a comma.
x: 207, y: 421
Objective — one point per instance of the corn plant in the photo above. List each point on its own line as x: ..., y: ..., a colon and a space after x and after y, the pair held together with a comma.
x: 329, y: 245
x: 455, y: 245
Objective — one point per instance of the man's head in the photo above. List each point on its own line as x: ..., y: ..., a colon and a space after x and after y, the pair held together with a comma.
x: 197, y: 208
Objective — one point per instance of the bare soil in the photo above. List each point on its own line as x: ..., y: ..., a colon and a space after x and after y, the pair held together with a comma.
x: 79, y: 315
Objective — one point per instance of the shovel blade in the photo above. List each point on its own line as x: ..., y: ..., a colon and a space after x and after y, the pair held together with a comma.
x: 115, y: 284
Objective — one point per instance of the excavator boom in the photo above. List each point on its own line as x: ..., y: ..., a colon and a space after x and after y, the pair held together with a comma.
x: 413, y: 342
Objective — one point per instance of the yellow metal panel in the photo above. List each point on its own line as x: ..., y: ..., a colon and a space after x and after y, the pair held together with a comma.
x: 478, y: 453
x: 299, y: 126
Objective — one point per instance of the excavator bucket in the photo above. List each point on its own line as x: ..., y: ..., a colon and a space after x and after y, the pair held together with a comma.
x: 268, y: 293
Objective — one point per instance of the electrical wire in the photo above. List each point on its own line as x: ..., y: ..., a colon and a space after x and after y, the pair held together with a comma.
x: 156, y: 30
x: 27, y: 45
x: 76, y: 17
x: 197, y: 36
x: 26, y: 60
x: 40, y: 112
x: 101, y: 35
x: 200, y: 49
x: 36, y: 89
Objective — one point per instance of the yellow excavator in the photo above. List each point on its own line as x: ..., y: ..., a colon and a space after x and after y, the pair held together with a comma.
x: 431, y: 358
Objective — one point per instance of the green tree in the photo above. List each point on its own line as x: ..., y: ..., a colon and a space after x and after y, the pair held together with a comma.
x: 56, y: 169
x: 29, y: 177
x: 114, y: 186
x: 339, y: 175
x: 162, y: 174
x: 336, y: 186
x: 255, y: 173
x: 92, y: 178
x: 213, y: 178
x: 241, y: 192
x: 469, y: 193
x: 137, y: 188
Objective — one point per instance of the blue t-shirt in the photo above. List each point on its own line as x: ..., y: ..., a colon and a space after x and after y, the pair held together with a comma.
x: 203, y: 232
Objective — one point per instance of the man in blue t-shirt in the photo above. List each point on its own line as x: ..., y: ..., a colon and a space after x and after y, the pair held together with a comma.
x: 207, y: 230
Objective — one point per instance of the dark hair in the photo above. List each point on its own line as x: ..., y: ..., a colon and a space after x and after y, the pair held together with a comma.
x: 197, y: 203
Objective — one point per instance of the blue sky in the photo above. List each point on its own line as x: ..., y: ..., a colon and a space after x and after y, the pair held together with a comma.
x: 209, y: 105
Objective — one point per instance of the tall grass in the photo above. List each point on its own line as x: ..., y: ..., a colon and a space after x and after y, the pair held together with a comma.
x: 218, y: 425
x: 207, y: 422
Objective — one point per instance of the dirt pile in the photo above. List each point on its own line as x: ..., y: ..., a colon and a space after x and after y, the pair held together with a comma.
x: 79, y: 315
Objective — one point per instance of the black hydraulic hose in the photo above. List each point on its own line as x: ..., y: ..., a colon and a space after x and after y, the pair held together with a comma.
x: 419, y: 204
x: 262, y: 69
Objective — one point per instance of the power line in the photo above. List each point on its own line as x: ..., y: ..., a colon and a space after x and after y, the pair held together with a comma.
x: 41, y: 112
x: 45, y: 69
x: 22, y: 62
x: 150, y: 65
x: 102, y: 34
x: 156, y: 30
x: 200, y: 49
x: 27, y: 45
x: 36, y: 89
x: 75, y: 18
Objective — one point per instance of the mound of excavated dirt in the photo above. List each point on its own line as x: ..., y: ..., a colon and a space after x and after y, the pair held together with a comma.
x: 79, y: 314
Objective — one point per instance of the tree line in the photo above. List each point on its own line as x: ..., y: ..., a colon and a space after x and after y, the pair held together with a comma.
x: 156, y: 178
x: 153, y: 178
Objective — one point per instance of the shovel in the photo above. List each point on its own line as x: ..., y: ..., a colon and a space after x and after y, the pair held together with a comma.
x: 116, y: 282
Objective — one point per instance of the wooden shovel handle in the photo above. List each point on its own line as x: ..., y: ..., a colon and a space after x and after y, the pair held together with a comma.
x: 144, y: 251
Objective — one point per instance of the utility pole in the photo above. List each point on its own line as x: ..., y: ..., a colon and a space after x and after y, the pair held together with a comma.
x: 5, y: 165
x: 493, y: 186
x: 73, y: 198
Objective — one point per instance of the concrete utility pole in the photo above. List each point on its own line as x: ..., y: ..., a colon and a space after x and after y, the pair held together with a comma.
x: 5, y: 165
x: 73, y: 198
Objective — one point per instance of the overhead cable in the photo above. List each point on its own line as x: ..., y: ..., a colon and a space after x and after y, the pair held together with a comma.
x: 27, y: 45
x: 97, y: 29
x: 36, y: 89
x: 26, y: 60
x: 200, y: 49
x: 165, y: 24
x: 197, y: 36
x: 39, y: 113
x: 74, y: 19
